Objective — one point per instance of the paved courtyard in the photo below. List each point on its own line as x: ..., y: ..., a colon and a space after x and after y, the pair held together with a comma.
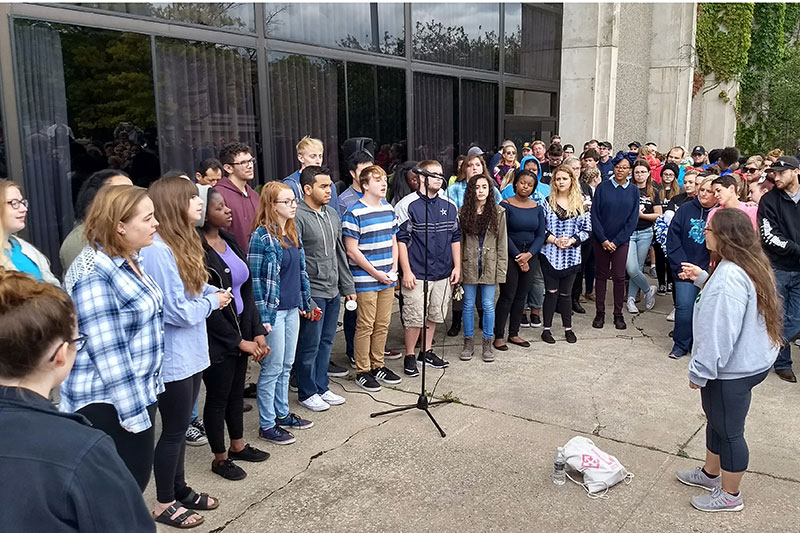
x: 493, y: 470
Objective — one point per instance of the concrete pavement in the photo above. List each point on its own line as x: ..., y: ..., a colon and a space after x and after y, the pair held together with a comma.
x: 492, y: 471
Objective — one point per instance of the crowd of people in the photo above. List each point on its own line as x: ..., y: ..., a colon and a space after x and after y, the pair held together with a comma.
x: 179, y: 285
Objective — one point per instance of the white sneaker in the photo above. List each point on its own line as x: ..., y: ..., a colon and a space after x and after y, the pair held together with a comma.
x: 671, y: 316
x: 315, y: 403
x: 631, y: 305
x: 650, y: 298
x: 332, y: 399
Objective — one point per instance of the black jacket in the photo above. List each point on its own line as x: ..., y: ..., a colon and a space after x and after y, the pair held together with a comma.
x: 59, y: 474
x: 225, y: 329
x: 779, y: 226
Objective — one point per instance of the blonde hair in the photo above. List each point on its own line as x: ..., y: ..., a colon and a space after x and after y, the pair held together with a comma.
x: 308, y: 143
x: 171, y: 197
x: 266, y: 217
x: 112, y: 205
x: 574, y: 196
x: 5, y: 185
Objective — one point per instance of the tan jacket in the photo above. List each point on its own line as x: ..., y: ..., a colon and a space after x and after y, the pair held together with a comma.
x: 494, y: 262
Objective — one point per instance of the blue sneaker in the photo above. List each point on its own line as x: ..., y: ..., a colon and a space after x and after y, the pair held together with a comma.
x: 276, y: 435
x: 292, y: 421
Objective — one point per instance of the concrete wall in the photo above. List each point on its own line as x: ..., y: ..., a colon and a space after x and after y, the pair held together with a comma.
x: 713, y: 121
x: 628, y: 75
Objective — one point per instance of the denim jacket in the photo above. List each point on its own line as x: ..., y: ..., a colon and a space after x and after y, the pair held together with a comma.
x: 264, y: 256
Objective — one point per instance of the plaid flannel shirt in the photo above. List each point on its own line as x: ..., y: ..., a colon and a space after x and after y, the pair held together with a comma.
x: 122, y: 316
x: 264, y: 257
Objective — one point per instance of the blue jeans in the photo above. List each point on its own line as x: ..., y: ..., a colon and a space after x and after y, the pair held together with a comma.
x: 637, y: 253
x: 487, y: 301
x: 195, y: 409
x: 685, y: 294
x: 788, y: 285
x: 536, y: 294
x: 314, y: 349
x: 273, y: 380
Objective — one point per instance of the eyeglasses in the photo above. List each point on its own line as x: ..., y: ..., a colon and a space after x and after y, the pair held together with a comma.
x: 510, y: 152
x: 750, y: 170
x: 79, y: 342
x: 16, y: 203
x: 288, y: 203
x: 247, y: 163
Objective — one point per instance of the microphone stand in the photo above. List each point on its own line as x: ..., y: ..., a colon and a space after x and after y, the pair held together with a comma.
x: 422, y: 400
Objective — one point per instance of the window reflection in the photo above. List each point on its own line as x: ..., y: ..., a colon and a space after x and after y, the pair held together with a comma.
x: 207, y: 97
x: 457, y: 34
x: 227, y: 15
x: 88, y: 104
x: 376, y: 27
x: 529, y: 103
x: 478, y: 115
x: 435, y: 119
x: 533, y: 40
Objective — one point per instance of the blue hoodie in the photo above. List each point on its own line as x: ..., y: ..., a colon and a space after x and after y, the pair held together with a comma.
x: 686, y: 239
x: 542, y: 190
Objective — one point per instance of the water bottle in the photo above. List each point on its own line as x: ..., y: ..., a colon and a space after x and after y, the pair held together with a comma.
x: 559, y: 464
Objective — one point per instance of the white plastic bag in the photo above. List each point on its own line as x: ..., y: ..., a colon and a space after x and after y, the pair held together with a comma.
x: 600, y: 470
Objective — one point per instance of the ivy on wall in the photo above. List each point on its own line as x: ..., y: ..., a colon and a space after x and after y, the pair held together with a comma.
x: 723, y: 39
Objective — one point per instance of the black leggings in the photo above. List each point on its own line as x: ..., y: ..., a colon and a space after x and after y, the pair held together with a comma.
x: 557, y: 293
x: 726, y: 402
x: 663, y: 270
x: 511, y: 303
x: 135, y: 449
x: 175, y: 405
x: 224, y: 400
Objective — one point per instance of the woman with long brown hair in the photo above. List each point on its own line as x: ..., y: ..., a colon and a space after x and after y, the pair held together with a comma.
x: 484, y: 259
x: 282, y: 294
x: 176, y: 261
x: 737, y: 338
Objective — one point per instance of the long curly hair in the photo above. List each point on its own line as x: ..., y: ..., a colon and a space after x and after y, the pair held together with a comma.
x: 472, y: 222
x: 171, y: 198
x: 574, y: 196
x: 738, y: 242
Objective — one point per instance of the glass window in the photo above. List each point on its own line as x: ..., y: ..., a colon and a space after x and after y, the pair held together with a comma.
x: 207, y: 97
x: 86, y: 103
x: 533, y: 40
x: 529, y: 103
x: 457, y: 34
x: 436, y: 119
x: 3, y: 161
x: 227, y: 15
x: 376, y: 27
x: 305, y: 101
x: 376, y: 99
x: 478, y: 115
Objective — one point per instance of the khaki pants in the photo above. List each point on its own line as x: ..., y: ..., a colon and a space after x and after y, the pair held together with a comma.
x: 374, y: 314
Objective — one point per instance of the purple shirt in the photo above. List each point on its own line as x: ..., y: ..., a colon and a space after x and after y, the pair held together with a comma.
x: 239, y: 274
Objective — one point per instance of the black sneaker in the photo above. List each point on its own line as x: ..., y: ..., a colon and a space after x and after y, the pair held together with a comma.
x: 619, y: 322
x: 599, y: 321
x: 352, y: 361
x: 200, y: 425
x: 386, y: 376
x: 366, y: 381
x: 229, y: 470
x: 548, y: 337
x: 570, y: 336
x: 536, y: 321
x: 432, y: 360
x: 250, y: 391
x: 410, y: 366
x: 293, y: 383
x: 336, y: 371
x: 249, y: 454
x: 524, y: 322
x: 669, y: 287
x: 662, y: 290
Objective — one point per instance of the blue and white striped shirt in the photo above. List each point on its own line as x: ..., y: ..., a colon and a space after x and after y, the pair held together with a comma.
x: 373, y: 228
x: 121, y: 315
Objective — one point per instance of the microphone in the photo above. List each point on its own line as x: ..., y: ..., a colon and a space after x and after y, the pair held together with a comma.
x: 419, y: 171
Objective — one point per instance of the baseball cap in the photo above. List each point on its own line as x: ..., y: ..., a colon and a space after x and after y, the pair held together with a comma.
x: 637, y: 144
x: 784, y: 162
x: 698, y: 150
x: 526, y: 145
x: 475, y: 150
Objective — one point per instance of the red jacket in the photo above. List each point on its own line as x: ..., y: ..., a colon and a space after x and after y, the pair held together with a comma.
x: 243, y: 207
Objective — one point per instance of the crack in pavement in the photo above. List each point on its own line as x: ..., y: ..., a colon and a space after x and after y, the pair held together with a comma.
x: 297, y: 474
x: 641, y: 330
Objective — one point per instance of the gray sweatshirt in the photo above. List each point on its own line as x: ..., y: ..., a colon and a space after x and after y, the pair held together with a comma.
x: 326, y: 260
x: 730, y: 334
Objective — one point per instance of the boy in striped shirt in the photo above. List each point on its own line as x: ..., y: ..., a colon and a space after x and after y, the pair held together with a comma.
x: 369, y: 229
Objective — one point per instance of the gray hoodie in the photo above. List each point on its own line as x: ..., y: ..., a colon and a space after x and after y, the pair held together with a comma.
x: 730, y: 340
x: 326, y: 260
